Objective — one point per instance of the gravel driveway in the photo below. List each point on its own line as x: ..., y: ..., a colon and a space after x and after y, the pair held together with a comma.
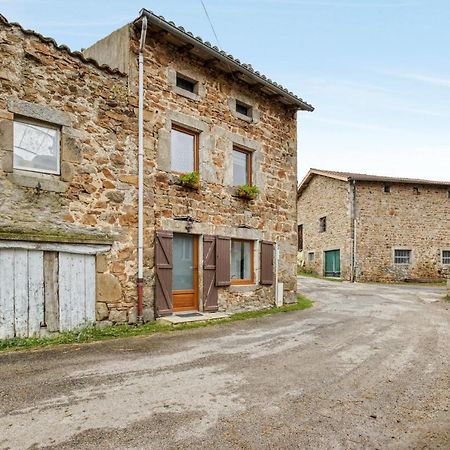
x: 367, y: 367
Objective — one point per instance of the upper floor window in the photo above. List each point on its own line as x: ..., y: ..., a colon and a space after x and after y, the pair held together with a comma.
x: 184, y: 150
x: 322, y: 224
x: 446, y: 257
x: 242, y: 167
x: 387, y: 188
x: 36, y: 147
x: 186, y: 83
x: 241, y: 262
x: 402, y: 256
x: 243, y: 109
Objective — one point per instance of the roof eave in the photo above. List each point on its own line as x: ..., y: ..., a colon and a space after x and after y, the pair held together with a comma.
x: 190, y: 39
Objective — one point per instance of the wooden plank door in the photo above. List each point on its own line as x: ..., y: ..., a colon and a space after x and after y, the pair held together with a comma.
x: 185, y: 272
x: 210, y: 290
x: 333, y: 263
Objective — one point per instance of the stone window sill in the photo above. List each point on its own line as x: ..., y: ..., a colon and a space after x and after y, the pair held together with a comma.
x: 187, y: 94
x: 35, y: 180
x: 243, y: 117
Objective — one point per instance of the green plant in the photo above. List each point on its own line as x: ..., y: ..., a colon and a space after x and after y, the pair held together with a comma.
x: 191, y: 179
x: 247, y: 191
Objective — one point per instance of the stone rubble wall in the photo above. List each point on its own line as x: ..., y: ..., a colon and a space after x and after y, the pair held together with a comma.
x: 402, y: 219
x: 95, y: 196
x: 330, y: 198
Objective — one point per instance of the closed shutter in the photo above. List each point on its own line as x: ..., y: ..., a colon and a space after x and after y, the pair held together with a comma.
x: 163, y: 266
x: 210, y: 291
x: 223, y: 262
x: 266, y: 262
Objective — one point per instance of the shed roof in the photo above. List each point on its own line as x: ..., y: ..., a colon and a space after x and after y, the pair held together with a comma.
x: 350, y: 176
x: 228, y: 63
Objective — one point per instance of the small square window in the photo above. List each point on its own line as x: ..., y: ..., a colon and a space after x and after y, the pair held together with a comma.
x: 241, y: 262
x: 36, y: 147
x: 311, y: 256
x: 416, y: 190
x: 243, y: 109
x: 402, y: 257
x: 446, y: 257
x: 187, y: 84
x: 184, y: 150
x: 242, y: 167
x: 322, y: 224
x: 387, y: 188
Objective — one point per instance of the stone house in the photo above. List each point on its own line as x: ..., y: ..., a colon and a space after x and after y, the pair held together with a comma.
x: 373, y: 228
x: 93, y: 149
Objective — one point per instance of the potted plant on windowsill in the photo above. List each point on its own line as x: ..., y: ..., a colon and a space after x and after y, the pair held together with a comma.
x: 247, y: 191
x: 190, y: 180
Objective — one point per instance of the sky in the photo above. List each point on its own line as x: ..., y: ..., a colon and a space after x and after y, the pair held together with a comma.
x: 377, y: 71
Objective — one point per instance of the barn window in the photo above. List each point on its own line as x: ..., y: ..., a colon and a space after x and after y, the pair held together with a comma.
x: 322, y: 224
x: 36, y: 147
x: 402, y: 256
x: 446, y: 257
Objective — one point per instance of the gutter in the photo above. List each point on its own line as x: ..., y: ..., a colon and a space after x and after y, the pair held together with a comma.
x: 140, y: 277
x: 221, y: 56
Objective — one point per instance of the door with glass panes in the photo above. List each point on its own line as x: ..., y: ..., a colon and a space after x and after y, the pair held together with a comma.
x: 185, y: 272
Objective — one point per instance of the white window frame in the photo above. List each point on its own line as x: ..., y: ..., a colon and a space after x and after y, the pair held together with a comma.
x: 446, y: 259
x: 38, y: 123
x: 409, y: 254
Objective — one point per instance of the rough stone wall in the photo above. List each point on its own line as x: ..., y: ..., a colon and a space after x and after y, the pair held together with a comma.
x: 272, y: 138
x: 330, y: 198
x: 95, y: 197
x: 402, y: 219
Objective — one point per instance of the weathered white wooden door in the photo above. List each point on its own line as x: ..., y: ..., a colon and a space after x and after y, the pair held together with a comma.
x: 35, y: 294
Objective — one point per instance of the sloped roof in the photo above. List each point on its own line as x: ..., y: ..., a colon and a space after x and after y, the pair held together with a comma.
x: 350, y: 176
x: 63, y: 48
x: 227, y: 62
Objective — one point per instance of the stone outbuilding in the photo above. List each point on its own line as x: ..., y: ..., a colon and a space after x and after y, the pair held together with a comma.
x: 373, y: 228
x: 128, y: 177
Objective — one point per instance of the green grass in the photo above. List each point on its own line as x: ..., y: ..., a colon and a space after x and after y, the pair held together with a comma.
x: 447, y: 298
x: 92, y: 334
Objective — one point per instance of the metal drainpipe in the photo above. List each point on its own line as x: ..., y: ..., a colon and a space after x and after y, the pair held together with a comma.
x: 353, y: 231
x: 140, y: 278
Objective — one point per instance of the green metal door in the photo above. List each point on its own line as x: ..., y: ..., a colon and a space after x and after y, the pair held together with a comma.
x: 333, y: 263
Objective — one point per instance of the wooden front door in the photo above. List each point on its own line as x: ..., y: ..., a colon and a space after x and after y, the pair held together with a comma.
x: 185, y: 272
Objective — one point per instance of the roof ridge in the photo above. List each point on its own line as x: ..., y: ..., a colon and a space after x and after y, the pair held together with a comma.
x: 48, y: 40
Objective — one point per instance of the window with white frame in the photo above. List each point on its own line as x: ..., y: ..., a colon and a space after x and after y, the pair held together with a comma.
x: 402, y: 256
x: 446, y: 257
x: 36, y: 147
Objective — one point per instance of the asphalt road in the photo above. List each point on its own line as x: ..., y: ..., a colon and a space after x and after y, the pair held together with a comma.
x: 367, y: 367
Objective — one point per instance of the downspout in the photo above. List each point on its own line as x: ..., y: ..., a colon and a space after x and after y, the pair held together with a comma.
x: 353, y: 249
x: 140, y: 278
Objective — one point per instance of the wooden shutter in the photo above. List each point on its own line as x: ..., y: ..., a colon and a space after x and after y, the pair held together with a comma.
x: 163, y: 269
x: 223, y: 262
x: 210, y: 291
x: 266, y: 262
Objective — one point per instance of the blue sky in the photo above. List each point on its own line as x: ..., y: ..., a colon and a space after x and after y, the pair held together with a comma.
x: 377, y: 71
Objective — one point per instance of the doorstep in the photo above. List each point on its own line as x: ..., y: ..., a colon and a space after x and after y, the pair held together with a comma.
x: 192, y: 316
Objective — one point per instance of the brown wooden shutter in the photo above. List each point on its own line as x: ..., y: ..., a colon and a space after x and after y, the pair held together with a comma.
x: 223, y: 262
x: 210, y: 291
x: 163, y: 272
x: 266, y: 263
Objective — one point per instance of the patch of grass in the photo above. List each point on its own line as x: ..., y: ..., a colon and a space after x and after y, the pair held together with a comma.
x: 447, y: 298
x: 92, y: 334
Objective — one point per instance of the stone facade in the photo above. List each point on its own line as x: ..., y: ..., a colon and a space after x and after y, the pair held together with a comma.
x: 93, y: 200
x: 270, y: 135
x: 390, y: 215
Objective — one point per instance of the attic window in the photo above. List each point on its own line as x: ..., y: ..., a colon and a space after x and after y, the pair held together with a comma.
x: 243, y: 109
x: 416, y: 190
x: 387, y: 188
x: 187, y: 84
